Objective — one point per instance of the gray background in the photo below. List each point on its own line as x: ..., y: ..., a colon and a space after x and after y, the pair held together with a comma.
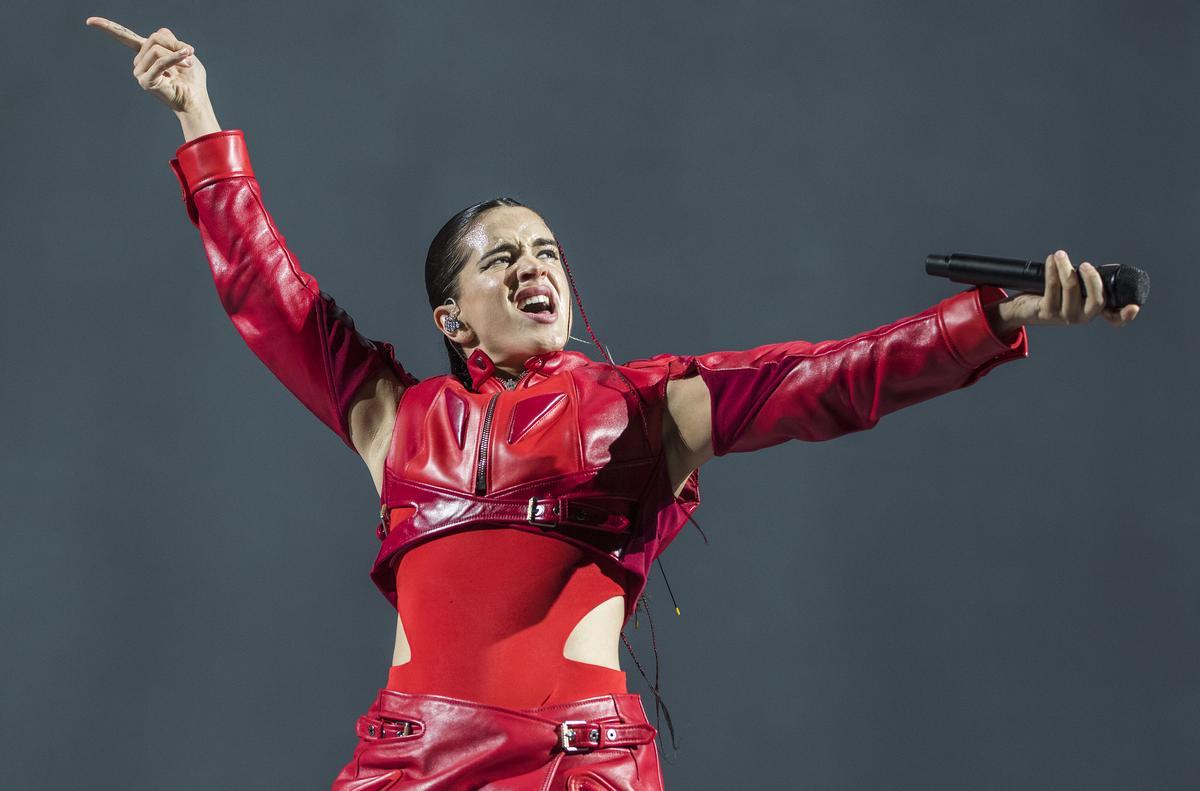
x: 995, y: 589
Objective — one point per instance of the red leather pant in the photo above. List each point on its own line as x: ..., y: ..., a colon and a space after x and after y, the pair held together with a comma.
x: 411, y: 741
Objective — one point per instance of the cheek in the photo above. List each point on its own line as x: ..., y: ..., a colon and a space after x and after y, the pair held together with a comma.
x: 487, y: 298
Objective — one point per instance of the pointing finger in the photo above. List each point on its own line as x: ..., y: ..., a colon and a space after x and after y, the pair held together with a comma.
x: 119, y: 32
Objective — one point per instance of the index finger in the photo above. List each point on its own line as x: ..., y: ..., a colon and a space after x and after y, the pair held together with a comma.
x: 120, y: 33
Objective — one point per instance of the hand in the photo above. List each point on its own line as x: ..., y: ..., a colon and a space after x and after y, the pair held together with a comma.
x: 165, y: 66
x: 1063, y: 301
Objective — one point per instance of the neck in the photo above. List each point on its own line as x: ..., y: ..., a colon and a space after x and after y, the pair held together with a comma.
x: 506, y: 369
x: 508, y: 372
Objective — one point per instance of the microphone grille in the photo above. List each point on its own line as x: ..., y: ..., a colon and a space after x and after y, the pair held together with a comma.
x: 1130, y: 285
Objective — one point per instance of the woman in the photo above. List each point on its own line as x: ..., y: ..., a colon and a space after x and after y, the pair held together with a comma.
x: 525, y: 495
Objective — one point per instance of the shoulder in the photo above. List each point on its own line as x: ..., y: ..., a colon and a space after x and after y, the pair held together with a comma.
x: 688, y: 406
x: 673, y: 366
x: 662, y: 369
x: 677, y: 373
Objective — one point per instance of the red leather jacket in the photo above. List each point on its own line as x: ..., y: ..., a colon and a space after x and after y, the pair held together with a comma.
x: 565, y: 452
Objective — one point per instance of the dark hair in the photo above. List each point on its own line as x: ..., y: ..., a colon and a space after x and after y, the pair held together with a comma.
x: 444, y: 262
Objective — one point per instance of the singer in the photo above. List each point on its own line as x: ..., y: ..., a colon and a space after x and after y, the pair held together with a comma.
x: 525, y: 494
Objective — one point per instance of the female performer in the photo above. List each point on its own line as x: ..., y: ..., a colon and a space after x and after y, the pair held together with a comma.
x: 525, y: 494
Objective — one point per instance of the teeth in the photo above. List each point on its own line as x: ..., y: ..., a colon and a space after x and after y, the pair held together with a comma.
x: 530, y: 300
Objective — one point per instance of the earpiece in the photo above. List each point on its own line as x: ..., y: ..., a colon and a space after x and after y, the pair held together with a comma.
x: 452, y: 324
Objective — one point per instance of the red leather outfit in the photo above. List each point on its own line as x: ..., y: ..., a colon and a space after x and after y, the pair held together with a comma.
x: 570, y: 460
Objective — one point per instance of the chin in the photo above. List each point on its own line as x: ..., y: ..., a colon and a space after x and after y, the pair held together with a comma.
x: 548, y: 345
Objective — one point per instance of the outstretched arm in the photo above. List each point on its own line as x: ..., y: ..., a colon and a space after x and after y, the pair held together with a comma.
x: 746, y: 400
x: 738, y: 401
x: 348, y: 381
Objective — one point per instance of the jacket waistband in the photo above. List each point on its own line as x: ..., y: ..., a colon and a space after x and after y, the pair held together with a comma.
x: 596, y: 513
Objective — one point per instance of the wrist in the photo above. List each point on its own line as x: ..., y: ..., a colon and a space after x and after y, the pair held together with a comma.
x: 1001, y: 320
x: 197, y: 122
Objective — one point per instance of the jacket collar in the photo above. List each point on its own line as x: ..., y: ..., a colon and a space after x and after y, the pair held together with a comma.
x: 484, y: 372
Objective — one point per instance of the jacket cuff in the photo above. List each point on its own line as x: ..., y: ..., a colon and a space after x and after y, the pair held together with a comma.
x: 207, y: 159
x: 969, y: 334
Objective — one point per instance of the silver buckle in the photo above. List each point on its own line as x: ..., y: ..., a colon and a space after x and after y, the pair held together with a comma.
x: 565, y: 735
x: 533, y: 520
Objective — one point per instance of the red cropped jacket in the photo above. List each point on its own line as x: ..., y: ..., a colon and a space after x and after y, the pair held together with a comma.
x: 574, y: 450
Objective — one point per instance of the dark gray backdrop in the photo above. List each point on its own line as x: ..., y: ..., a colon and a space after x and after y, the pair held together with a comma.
x: 995, y: 589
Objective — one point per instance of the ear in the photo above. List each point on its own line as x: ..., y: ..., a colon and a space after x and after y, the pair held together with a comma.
x: 464, y: 335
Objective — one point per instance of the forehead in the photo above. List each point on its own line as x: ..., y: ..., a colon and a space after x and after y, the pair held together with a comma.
x: 512, y: 224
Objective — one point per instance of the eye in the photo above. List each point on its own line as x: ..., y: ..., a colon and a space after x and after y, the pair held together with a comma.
x: 553, y: 255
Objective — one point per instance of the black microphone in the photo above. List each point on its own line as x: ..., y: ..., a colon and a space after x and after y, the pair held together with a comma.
x: 1123, y: 285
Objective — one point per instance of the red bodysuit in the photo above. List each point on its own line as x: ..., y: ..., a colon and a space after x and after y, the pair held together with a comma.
x: 506, y: 514
x: 494, y: 631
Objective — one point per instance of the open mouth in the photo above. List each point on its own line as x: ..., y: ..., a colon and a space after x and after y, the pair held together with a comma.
x: 539, y: 306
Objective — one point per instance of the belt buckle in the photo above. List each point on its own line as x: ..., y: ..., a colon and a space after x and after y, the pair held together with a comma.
x: 565, y: 734
x: 533, y: 520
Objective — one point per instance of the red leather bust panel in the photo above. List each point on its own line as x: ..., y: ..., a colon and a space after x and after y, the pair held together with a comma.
x: 570, y: 431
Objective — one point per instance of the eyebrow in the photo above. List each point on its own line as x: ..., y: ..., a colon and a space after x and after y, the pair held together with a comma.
x: 510, y: 246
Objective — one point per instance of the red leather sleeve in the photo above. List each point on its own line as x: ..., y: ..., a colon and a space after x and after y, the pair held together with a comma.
x: 817, y: 391
x: 307, y: 341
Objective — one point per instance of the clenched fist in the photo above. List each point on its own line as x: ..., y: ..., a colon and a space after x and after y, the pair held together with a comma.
x: 1062, y: 300
x: 164, y: 66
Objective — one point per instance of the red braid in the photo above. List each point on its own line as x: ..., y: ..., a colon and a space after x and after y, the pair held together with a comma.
x: 659, y: 703
x: 586, y: 323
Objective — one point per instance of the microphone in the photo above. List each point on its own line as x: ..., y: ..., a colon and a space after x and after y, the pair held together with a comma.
x: 1123, y: 285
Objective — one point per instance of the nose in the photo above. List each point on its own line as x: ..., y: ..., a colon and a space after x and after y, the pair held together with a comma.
x: 530, y: 267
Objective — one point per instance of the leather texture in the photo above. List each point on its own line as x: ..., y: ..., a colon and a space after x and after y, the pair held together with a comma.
x: 409, y: 741
x: 467, y: 457
x: 578, y: 465
x: 298, y: 331
x: 818, y: 391
x: 461, y: 459
x: 572, y: 435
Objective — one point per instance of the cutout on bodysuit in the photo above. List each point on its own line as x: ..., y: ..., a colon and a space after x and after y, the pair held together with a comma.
x: 580, y: 654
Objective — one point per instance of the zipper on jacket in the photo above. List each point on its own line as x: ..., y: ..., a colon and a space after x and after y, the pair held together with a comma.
x: 485, y: 435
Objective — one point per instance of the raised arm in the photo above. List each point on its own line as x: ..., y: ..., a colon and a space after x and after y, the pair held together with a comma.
x: 351, y: 383
x: 726, y: 402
